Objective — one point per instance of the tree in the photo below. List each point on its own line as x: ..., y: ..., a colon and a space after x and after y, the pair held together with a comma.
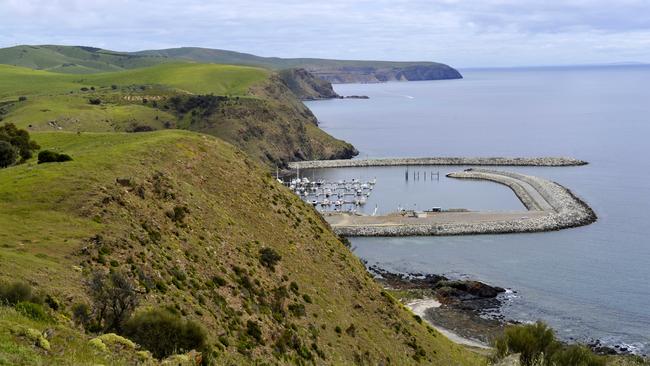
x: 19, y: 139
x: 8, y: 154
x: 114, y: 300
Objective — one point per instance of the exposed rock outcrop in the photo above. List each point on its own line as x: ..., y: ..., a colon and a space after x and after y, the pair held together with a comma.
x: 306, y: 86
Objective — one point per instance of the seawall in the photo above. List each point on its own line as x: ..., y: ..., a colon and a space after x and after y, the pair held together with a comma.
x: 475, y: 161
x: 551, y: 207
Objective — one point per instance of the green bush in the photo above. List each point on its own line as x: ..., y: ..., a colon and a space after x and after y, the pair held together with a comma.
x: 47, y: 156
x: 81, y: 314
x: 537, y: 345
x: 253, y: 330
x: 269, y: 257
x: 95, y: 101
x: 575, y: 355
x: 218, y: 281
x: 164, y: 333
x: 532, y: 341
x: 297, y: 309
x: 32, y: 311
x: 15, y: 292
x: 8, y: 154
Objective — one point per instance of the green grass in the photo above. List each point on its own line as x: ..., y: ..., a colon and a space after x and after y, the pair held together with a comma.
x: 185, y: 77
x: 50, y: 211
x: 73, y: 59
x: 75, y: 113
x: 83, y: 60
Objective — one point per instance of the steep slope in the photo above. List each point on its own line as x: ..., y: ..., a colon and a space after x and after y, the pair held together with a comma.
x: 116, y: 206
x: 306, y: 86
x: 81, y: 60
x: 250, y: 107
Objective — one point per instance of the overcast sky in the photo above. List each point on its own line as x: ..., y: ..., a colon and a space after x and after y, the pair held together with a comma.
x: 461, y: 33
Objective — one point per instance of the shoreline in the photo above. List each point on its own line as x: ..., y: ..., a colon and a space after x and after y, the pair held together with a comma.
x: 420, y: 307
x: 468, y: 312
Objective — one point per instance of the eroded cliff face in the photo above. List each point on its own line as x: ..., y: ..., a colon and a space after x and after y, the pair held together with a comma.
x: 306, y: 85
x: 273, y: 126
x: 368, y: 74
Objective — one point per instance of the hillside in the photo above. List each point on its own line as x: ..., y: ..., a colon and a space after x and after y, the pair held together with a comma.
x: 184, y: 217
x: 251, y: 107
x: 78, y: 60
x: 73, y: 59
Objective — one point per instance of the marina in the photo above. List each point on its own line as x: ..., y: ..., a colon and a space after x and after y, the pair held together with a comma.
x: 335, y: 196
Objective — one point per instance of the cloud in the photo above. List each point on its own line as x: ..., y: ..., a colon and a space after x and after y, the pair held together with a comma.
x: 465, y: 33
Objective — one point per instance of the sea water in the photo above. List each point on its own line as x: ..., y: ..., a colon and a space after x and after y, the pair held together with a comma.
x: 589, y: 283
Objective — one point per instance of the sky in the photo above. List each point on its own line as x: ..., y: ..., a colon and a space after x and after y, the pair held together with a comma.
x: 468, y: 33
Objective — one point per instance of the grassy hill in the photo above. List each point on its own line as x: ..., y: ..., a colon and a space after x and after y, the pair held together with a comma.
x: 250, y: 107
x: 80, y: 60
x: 181, y: 77
x: 109, y: 210
x: 73, y: 59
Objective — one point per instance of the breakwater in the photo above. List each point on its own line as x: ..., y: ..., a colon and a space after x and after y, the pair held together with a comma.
x: 477, y: 161
x: 551, y: 207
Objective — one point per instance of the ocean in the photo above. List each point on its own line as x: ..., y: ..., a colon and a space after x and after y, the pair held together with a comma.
x: 588, y: 283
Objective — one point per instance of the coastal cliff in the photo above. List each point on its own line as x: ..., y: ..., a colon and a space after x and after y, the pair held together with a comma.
x: 306, y: 85
x: 379, y: 74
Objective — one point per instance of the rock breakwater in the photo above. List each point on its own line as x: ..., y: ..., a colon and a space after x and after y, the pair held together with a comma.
x: 551, y: 207
x: 477, y: 161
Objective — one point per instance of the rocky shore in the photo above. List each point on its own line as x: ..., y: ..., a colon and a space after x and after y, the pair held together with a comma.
x: 478, y: 161
x: 551, y: 207
x: 466, y: 311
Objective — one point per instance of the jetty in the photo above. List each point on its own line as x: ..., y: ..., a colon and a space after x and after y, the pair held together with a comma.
x: 448, y: 161
x: 549, y: 206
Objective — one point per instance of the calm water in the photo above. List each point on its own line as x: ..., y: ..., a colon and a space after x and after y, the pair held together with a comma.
x: 590, y: 282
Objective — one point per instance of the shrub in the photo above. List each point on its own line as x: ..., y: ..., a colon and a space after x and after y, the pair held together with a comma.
x: 32, y: 311
x: 218, y: 281
x: 269, y: 257
x: 293, y: 286
x: 537, y: 345
x: 253, y: 330
x: 297, y: 309
x: 178, y: 213
x: 164, y: 333
x: 95, y: 101
x: 8, y: 154
x: 113, y: 86
x: 47, y: 156
x: 15, y: 292
x: 575, y: 355
x: 22, y: 98
x: 81, y: 314
x: 532, y: 341
x: 140, y: 128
